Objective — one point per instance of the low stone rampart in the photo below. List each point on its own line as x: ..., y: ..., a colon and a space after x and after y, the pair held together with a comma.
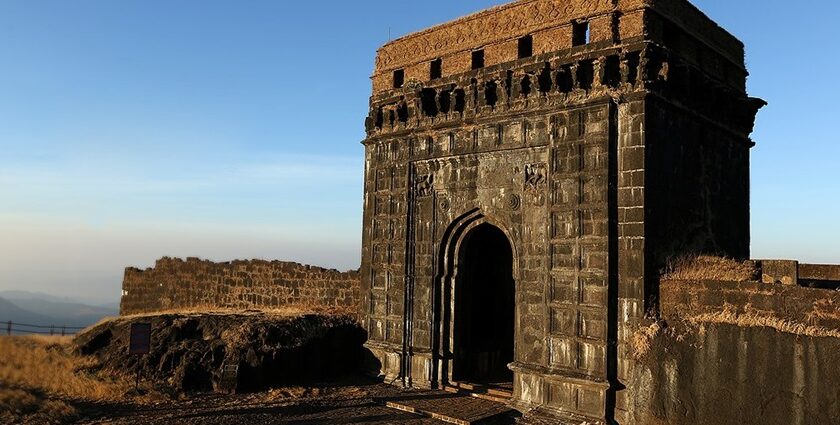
x: 194, y: 284
x: 740, y: 353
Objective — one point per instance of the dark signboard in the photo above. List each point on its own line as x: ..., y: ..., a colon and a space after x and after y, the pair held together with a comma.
x: 229, y: 379
x: 141, y: 338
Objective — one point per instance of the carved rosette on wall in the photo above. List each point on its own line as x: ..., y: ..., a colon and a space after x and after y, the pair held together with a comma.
x: 424, y: 186
x: 444, y: 204
x: 514, y: 202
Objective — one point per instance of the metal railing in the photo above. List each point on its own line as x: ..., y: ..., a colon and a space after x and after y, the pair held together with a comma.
x: 13, y: 328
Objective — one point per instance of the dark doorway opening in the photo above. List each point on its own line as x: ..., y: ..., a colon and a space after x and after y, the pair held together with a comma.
x: 484, y: 308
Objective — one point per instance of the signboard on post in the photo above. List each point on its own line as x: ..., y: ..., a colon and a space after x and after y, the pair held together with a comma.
x: 140, y: 342
x: 229, y: 379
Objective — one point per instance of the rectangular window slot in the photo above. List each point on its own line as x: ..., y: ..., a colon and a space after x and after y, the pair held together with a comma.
x: 478, y: 59
x: 526, y: 47
x: 436, y: 69
x: 399, y: 78
x: 580, y: 33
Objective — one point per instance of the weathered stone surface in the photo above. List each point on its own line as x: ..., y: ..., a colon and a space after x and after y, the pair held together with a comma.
x: 596, y: 159
x: 740, y: 353
x: 175, y: 284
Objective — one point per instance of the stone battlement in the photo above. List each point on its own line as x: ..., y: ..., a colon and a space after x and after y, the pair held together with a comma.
x: 175, y: 284
x: 552, y: 26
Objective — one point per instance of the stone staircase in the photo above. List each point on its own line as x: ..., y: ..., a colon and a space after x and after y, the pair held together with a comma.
x: 463, y: 404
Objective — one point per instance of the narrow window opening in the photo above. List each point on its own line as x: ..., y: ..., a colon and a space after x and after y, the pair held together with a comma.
x: 544, y: 79
x: 525, y: 86
x: 586, y: 74
x: 460, y: 100
x: 526, y: 47
x: 399, y: 78
x: 402, y: 111
x: 436, y: 69
x: 490, y: 95
x: 428, y: 102
x: 580, y: 33
x: 392, y: 117
x: 565, y: 83
x: 612, y: 72
x: 478, y: 59
x: 445, y: 101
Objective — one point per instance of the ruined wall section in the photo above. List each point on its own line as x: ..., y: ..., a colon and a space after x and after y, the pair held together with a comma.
x: 175, y: 284
x: 740, y: 353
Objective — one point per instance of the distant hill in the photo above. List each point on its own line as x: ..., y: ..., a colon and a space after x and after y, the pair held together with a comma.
x: 25, y: 295
x: 42, y: 309
x: 10, y: 311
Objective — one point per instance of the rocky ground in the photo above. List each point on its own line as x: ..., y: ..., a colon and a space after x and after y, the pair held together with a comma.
x: 293, y: 369
x: 188, y: 351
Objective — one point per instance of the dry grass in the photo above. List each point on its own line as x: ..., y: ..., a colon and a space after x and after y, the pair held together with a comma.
x: 824, y: 309
x: 704, y: 267
x: 642, y: 339
x: 755, y: 319
x: 41, y: 378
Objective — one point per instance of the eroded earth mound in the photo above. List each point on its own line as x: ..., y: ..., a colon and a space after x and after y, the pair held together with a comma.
x: 188, y: 351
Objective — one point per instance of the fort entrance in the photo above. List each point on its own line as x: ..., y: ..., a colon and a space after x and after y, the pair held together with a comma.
x: 528, y: 171
x: 484, y: 308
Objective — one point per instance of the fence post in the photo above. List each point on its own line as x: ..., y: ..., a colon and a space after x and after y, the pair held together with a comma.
x: 63, y: 328
x: 9, y: 328
x: 52, y: 330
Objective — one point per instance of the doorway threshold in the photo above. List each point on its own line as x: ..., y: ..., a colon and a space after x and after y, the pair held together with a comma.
x: 501, y: 392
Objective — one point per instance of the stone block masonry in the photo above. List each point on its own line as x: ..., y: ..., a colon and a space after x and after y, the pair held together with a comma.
x: 740, y: 353
x: 176, y: 284
x: 528, y: 171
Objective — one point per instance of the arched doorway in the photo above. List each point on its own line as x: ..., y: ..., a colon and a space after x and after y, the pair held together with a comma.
x: 484, y: 308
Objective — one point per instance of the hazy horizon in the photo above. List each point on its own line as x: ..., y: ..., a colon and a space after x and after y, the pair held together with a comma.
x: 221, y: 130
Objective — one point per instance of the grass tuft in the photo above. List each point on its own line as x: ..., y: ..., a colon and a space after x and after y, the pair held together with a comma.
x: 705, y: 267
x: 642, y: 340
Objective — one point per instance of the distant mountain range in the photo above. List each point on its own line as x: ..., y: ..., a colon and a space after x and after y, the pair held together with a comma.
x: 41, y: 309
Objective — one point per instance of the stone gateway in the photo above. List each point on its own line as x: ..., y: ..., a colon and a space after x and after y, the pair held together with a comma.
x: 529, y: 170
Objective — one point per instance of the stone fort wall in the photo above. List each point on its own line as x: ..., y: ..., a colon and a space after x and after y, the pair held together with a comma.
x: 736, y: 353
x: 175, y: 284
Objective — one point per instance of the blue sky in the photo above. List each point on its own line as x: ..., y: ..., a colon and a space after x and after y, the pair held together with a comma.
x: 135, y: 129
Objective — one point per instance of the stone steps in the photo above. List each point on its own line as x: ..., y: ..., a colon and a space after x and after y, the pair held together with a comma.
x: 458, y: 407
x: 499, y: 395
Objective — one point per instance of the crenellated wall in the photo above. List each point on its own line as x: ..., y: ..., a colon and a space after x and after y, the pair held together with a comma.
x: 175, y: 284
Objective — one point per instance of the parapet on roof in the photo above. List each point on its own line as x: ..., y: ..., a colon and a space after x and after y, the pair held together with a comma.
x: 612, y: 20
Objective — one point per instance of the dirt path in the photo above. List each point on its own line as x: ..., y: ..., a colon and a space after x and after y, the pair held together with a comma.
x: 356, y: 404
